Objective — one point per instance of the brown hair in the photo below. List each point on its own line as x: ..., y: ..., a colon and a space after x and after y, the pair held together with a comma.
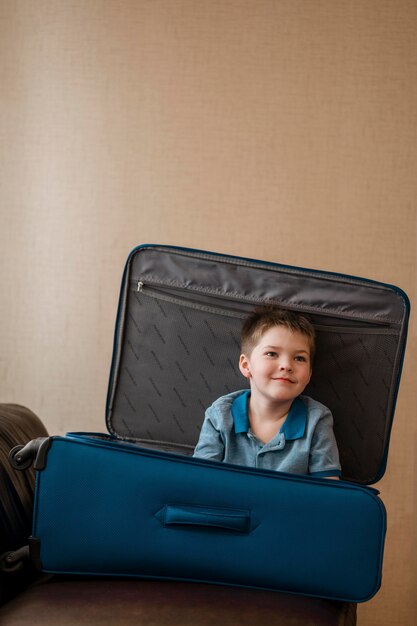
x: 265, y: 317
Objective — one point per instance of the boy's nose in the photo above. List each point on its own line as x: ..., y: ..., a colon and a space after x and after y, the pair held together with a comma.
x: 285, y: 365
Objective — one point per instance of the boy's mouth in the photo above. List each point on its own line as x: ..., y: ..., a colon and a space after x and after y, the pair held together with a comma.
x: 284, y: 380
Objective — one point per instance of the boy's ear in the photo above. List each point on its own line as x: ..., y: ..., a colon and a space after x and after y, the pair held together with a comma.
x: 244, y: 366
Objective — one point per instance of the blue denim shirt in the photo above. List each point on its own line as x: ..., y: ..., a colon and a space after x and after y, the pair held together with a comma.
x: 305, y: 443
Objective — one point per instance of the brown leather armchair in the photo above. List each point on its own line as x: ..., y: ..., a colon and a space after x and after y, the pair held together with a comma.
x: 27, y: 597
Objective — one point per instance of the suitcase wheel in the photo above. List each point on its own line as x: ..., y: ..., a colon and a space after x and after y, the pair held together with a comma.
x: 20, y: 458
x: 13, y: 562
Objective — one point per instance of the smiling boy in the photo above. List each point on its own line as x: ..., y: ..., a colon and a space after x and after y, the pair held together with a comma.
x: 273, y: 426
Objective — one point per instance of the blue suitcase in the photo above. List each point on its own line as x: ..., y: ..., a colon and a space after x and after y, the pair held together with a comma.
x: 135, y: 503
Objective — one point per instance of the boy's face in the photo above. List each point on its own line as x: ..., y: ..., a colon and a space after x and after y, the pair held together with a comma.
x: 279, y: 367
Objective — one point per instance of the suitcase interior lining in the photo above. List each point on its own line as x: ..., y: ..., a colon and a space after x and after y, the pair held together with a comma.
x: 179, y: 352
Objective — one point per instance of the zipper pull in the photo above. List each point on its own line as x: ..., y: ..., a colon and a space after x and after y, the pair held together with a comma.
x: 140, y: 285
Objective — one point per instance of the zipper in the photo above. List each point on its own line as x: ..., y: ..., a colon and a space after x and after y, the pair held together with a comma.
x: 163, y: 291
x: 161, y: 294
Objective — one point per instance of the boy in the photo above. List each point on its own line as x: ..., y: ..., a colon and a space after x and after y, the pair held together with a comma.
x: 272, y: 426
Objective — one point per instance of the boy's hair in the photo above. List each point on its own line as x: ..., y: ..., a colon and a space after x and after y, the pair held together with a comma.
x: 265, y: 317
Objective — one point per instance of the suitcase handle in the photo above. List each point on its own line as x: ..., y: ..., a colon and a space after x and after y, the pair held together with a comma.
x: 237, y: 520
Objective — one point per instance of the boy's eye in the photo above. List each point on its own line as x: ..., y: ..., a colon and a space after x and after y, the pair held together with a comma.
x: 300, y: 358
x: 271, y: 354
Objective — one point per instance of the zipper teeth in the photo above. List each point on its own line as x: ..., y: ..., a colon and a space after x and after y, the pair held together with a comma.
x: 180, y: 300
x: 153, y: 286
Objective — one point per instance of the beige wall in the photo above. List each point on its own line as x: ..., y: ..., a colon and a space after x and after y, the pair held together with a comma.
x: 275, y: 129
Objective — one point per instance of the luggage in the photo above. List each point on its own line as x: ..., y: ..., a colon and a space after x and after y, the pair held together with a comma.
x: 135, y: 503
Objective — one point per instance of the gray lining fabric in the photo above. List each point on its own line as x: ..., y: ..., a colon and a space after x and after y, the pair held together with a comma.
x: 177, y: 348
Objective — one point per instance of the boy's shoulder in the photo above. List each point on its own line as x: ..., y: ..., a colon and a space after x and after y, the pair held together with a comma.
x: 313, y: 405
x: 316, y: 411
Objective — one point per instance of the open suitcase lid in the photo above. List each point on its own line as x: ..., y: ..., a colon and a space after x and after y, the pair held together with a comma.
x: 176, y: 347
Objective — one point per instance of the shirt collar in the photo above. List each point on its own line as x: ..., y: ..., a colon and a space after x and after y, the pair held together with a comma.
x: 293, y: 427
